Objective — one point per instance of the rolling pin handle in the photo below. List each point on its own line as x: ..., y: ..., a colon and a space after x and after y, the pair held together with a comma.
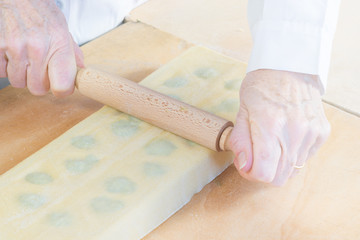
x: 224, y: 143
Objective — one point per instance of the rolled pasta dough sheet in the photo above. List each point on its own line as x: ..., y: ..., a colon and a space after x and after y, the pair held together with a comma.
x: 113, y: 176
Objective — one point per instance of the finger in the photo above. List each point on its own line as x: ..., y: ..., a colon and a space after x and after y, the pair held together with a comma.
x: 312, y: 142
x: 266, y: 151
x: 3, y: 65
x: 79, y: 56
x: 241, y: 143
x: 284, y: 167
x: 37, y: 77
x: 321, y: 139
x: 62, y: 71
x: 303, y: 153
x: 316, y: 146
x: 16, y: 66
x: 288, y: 159
x: 294, y: 138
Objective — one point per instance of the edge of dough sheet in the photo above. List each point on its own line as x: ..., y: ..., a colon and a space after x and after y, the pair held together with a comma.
x: 160, y: 200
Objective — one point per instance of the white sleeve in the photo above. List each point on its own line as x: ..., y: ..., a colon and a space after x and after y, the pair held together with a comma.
x: 292, y: 35
x: 92, y: 18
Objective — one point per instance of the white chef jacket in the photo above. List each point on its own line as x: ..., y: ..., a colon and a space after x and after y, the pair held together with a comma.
x: 293, y: 35
x: 290, y: 35
x: 88, y: 19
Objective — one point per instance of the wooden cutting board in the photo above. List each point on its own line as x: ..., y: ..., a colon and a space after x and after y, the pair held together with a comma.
x: 320, y: 203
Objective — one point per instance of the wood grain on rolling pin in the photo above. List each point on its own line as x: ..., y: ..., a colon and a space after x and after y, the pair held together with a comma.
x: 155, y: 108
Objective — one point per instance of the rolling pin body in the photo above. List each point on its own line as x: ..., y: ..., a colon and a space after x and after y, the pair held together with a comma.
x: 155, y: 108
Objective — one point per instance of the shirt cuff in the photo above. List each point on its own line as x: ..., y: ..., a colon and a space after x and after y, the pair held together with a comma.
x: 291, y: 46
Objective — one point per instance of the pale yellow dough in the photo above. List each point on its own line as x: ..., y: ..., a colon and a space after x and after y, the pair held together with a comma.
x: 114, y: 177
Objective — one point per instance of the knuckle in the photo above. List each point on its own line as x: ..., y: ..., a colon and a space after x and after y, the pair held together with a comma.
x: 320, y: 128
x: 304, y: 125
x: 61, y: 36
x: 313, y: 130
x: 38, y: 47
x: 16, y: 48
x: 324, y: 132
x: 15, y: 44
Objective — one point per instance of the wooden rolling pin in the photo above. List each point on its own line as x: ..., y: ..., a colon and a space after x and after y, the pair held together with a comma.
x: 155, y: 108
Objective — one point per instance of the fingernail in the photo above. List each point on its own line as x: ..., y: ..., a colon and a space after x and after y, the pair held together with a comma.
x: 241, y: 159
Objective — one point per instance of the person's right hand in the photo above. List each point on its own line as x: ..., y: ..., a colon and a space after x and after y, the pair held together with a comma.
x: 36, y: 48
x: 281, y: 123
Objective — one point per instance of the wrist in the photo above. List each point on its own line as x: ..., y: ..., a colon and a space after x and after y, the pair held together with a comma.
x: 310, y: 80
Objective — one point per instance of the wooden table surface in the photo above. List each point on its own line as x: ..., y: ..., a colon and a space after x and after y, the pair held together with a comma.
x: 322, y: 202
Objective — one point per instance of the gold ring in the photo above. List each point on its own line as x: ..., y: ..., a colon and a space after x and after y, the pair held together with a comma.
x: 299, y: 167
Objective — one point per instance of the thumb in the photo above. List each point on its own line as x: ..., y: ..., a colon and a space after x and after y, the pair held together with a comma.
x: 62, y: 71
x: 241, y: 143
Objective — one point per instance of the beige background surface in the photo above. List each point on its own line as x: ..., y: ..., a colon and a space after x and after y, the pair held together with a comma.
x: 344, y: 75
x: 222, y: 26
x: 216, y: 24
